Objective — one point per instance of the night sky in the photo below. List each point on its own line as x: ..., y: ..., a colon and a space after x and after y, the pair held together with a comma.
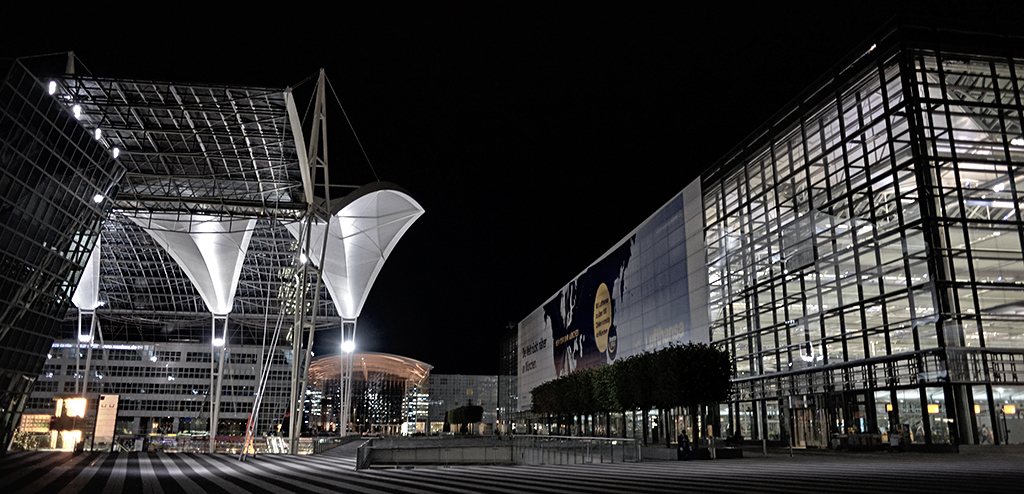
x: 535, y: 138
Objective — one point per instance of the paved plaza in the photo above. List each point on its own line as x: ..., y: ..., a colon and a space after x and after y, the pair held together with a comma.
x: 988, y: 471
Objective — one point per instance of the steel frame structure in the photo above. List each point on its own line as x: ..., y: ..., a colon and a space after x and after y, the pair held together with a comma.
x: 201, y: 151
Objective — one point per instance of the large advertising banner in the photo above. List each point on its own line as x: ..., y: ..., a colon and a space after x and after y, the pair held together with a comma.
x: 648, y: 291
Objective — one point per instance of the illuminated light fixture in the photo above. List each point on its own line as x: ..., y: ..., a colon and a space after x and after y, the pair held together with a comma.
x: 116, y: 152
x: 152, y: 358
x: 1010, y: 409
x: 52, y: 87
x: 1017, y: 141
x: 348, y: 346
x: 98, y: 198
x: 74, y: 407
x: 933, y: 408
x: 218, y: 342
x: 888, y: 407
x: 977, y: 409
x: 999, y: 187
x: 98, y: 133
x: 77, y: 111
x: 84, y: 338
x: 302, y: 257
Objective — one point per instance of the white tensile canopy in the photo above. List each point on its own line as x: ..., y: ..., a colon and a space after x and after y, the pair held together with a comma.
x: 210, y: 249
x: 362, y: 231
x: 87, y: 294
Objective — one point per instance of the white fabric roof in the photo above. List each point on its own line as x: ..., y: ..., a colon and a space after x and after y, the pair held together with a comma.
x: 210, y: 249
x: 363, y: 230
x: 87, y: 294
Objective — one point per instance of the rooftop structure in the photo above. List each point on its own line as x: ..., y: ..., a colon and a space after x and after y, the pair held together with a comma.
x: 215, y: 224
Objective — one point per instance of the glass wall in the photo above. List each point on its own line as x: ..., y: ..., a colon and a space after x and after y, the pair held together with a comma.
x: 54, y: 181
x: 865, y: 252
x: 971, y: 129
x: 816, y: 253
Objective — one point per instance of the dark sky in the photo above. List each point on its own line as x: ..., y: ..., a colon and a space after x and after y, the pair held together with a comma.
x: 535, y: 138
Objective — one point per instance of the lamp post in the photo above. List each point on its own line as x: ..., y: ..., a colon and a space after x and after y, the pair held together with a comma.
x: 1007, y: 410
x: 347, y: 347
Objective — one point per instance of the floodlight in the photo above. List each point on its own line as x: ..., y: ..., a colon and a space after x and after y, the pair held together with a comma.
x: 52, y: 88
x: 98, y: 198
x: 348, y: 346
x: 218, y: 342
x: 77, y: 110
x: 75, y: 407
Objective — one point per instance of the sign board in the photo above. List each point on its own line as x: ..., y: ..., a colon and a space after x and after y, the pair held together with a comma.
x: 106, y: 416
x: 648, y: 291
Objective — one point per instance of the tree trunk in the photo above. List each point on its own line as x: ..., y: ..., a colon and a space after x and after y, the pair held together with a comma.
x: 693, y: 422
x: 645, y: 413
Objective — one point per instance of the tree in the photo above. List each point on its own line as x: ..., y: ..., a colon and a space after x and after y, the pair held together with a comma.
x: 465, y: 415
x: 680, y: 375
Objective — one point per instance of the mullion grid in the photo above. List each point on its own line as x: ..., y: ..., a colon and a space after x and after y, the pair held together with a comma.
x: 752, y: 299
x: 978, y: 256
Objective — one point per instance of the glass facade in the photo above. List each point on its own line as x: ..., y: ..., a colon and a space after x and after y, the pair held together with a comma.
x: 387, y: 394
x: 865, y: 259
x: 508, y: 380
x: 451, y: 391
x: 56, y: 180
x: 169, y: 383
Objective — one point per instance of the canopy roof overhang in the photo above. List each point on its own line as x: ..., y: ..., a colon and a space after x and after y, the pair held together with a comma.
x: 195, y: 152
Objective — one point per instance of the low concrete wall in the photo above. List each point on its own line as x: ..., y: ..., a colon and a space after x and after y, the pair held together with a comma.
x: 493, y: 450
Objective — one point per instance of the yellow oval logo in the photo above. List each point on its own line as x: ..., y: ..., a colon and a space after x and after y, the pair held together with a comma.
x: 602, y: 317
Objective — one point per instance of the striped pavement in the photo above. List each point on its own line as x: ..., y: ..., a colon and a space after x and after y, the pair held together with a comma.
x: 333, y: 472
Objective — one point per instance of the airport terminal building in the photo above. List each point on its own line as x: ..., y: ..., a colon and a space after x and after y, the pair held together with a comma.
x: 859, y: 257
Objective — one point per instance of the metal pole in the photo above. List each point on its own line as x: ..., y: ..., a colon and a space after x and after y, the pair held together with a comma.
x: 792, y: 425
x: 78, y: 351
x: 88, y: 352
x: 217, y: 377
x: 1006, y: 430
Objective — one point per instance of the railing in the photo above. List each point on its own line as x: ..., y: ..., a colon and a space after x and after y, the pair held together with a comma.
x: 171, y: 443
x: 182, y: 443
x: 569, y: 450
x: 496, y: 450
x: 322, y: 444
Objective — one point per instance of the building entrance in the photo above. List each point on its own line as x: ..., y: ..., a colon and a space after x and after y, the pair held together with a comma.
x: 808, y: 423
